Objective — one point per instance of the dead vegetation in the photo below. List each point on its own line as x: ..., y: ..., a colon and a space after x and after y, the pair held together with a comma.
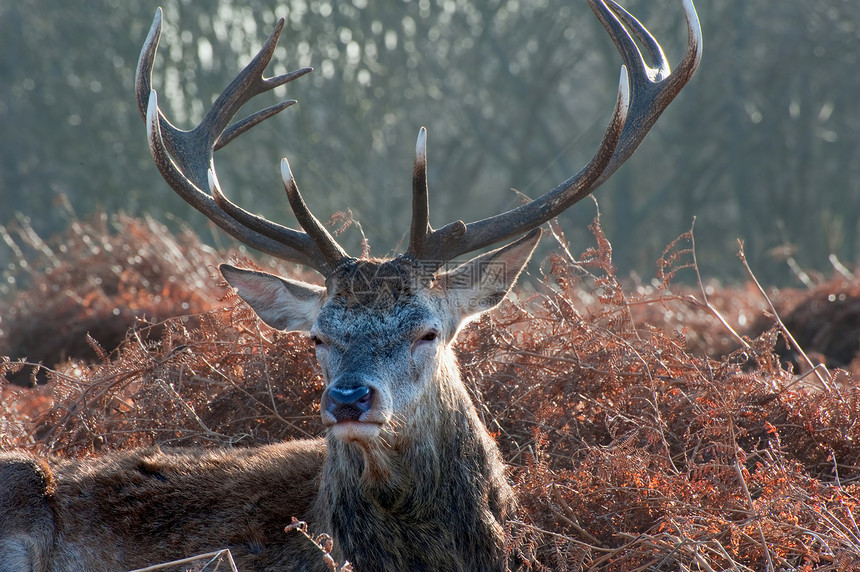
x: 643, y: 431
x: 83, y: 292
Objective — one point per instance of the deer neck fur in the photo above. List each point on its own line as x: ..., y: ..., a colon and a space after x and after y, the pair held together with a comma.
x: 435, y: 490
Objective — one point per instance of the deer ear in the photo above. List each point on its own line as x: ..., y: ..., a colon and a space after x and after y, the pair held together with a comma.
x: 482, y: 283
x: 281, y: 303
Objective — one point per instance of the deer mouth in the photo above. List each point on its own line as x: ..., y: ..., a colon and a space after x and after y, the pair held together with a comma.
x: 352, y: 431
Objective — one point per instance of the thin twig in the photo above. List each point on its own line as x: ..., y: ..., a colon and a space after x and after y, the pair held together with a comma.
x: 746, y: 490
x: 705, y: 300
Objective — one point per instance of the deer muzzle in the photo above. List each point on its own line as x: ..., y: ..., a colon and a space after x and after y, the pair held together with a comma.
x: 352, y: 405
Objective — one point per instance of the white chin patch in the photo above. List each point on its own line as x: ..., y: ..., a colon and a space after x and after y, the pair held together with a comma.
x: 350, y: 431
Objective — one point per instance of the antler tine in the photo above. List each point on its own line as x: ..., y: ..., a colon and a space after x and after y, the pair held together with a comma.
x: 185, y: 158
x: 420, y: 198
x: 214, y: 130
x: 458, y: 238
x: 331, y: 251
x: 693, y: 51
x: 267, y: 230
x: 143, y: 74
x: 247, y: 84
x: 624, y: 43
x: 650, y: 90
x: 241, y: 127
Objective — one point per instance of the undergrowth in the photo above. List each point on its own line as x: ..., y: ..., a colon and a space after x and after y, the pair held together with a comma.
x: 648, y: 426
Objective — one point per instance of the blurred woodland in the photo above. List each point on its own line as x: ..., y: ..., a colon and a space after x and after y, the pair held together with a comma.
x: 761, y: 146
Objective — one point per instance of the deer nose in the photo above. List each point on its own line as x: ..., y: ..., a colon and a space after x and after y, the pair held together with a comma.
x: 349, y: 395
x: 348, y: 403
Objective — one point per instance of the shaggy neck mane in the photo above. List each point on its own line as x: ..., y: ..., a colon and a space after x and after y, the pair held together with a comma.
x: 436, y: 489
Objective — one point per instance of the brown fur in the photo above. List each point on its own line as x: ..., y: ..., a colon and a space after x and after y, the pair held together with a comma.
x: 26, y: 516
x: 140, y: 507
x: 378, y: 283
x: 442, y: 505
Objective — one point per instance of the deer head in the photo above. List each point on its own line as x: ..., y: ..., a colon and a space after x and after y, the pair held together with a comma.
x: 382, y: 329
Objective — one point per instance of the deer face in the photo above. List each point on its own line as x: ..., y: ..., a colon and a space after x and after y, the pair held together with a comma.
x: 383, y: 331
x: 379, y: 364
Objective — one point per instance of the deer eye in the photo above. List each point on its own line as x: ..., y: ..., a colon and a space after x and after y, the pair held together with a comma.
x: 426, y: 338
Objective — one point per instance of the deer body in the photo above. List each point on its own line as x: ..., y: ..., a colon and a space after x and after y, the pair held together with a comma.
x: 140, y: 507
x: 407, y: 476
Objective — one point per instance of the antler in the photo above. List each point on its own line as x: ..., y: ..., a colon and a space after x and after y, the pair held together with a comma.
x: 643, y: 93
x: 185, y: 158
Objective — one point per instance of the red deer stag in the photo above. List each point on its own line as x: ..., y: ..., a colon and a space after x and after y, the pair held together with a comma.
x: 407, y: 477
